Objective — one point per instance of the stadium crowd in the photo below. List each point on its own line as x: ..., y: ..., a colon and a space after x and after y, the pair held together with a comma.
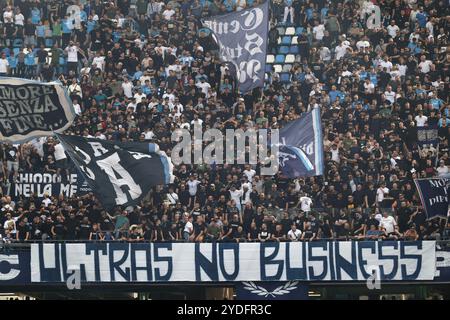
x: 138, y: 69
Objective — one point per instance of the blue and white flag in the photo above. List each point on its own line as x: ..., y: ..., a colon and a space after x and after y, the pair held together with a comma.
x: 301, y: 146
x: 434, y: 195
x: 242, y: 38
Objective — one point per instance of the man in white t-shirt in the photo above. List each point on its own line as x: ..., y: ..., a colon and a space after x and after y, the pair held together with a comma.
x: 127, y: 87
x: 341, y: 50
x: 76, y: 107
x: 389, y: 94
x: 335, y: 153
x: 386, y: 63
x: 203, y: 85
x: 4, y: 65
x: 59, y: 152
x: 393, y: 29
x: 425, y: 65
x: 249, y: 172
x: 305, y: 203
x: 318, y: 31
x: 168, y: 13
x: 382, y: 192
x: 363, y: 43
x: 192, y: 185
x: 46, y: 201
x: 188, y: 227
x: 294, y: 234
x: 172, y: 197
x: 388, y: 223
x: 236, y: 195
x: 421, y: 119
x: 99, y: 61
x: 139, y: 96
x: 8, y: 15
x: 442, y: 170
x: 19, y: 19
x: 369, y: 87
x: 72, y: 57
x: 148, y: 134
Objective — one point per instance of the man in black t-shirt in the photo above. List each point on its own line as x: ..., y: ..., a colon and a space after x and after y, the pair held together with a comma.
x: 314, y: 223
x: 234, y: 224
x: 36, y: 229
x: 359, y: 225
x: 239, y: 235
x: 72, y: 227
x: 47, y: 228
x: 279, y: 234
x: 199, y: 230
x: 23, y: 230
x: 12, y: 162
x: 300, y: 220
x: 285, y: 222
x: 59, y: 229
x: 372, y: 222
x: 85, y: 229
x: 403, y: 216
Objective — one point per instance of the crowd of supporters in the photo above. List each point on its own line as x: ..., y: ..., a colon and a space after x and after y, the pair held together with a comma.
x: 138, y: 69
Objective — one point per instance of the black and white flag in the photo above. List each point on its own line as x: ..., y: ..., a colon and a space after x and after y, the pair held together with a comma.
x: 118, y: 173
x: 242, y: 38
x: 30, y: 109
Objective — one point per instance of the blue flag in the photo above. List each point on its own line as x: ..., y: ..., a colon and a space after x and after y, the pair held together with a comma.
x: 434, y: 195
x: 242, y: 38
x: 301, y: 146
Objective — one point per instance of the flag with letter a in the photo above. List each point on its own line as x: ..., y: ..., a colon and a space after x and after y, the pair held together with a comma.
x: 118, y: 173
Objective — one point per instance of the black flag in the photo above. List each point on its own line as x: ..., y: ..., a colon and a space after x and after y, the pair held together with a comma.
x: 118, y: 173
x: 30, y: 109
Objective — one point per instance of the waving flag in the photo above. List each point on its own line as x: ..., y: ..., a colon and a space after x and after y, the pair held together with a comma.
x: 118, y: 173
x: 242, y: 38
x: 301, y: 146
x: 433, y: 194
x: 30, y: 109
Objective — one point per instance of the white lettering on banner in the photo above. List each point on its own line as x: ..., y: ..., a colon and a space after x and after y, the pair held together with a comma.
x: 10, y: 261
x: 303, y: 261
x: 254, y: 43
x: 23, y: 108
x: 98, y: 149
x: 119, y: 178
x: 439, y: 183
x: 442, y: 261
x: 249, y: 69
x: 243, y: 52
x: 87, y: 159
x: 254, y: 19
x: 39, y: 184
x: 251, y: 22
x: 231, y: 53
